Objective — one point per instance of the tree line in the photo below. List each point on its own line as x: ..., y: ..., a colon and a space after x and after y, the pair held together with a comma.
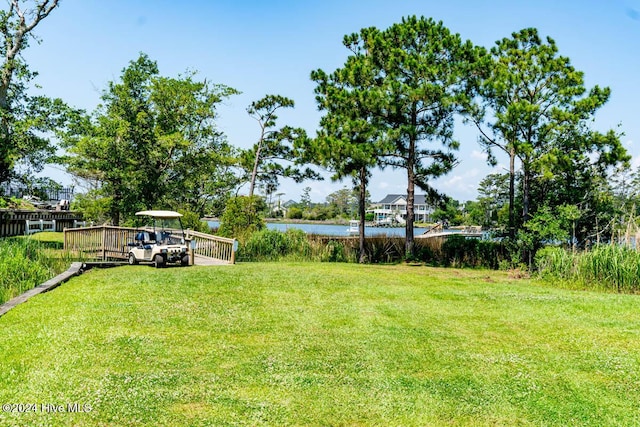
x: 153, y: 140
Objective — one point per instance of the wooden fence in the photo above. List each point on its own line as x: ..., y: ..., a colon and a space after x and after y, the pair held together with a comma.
x: 211, y: 246
x: 107, y: 242
x: 15, y: 222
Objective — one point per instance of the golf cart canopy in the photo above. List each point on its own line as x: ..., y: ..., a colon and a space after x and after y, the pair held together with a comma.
x: 160, y: 214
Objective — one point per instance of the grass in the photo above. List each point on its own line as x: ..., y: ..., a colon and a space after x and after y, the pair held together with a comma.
x: 317, y: 344
x: 610, y: 268
x: 27, y: 261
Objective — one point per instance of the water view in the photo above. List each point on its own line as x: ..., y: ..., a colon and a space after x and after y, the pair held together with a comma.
x: 333, y: 229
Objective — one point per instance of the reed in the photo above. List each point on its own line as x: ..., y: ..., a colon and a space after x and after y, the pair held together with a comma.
x: 605, y: 267
x: 295, y: 245
x: 273, y: 245
x: 23, y: 265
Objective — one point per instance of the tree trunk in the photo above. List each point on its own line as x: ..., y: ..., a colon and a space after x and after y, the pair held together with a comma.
x: 512, y: 187
x: 526, y: 184
x: 116, y: 205
x: 254, y: 172
x: 362, y: 200
x: 411, y: 183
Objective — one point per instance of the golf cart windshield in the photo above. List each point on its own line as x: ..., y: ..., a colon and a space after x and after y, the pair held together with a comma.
x: 165, y: 226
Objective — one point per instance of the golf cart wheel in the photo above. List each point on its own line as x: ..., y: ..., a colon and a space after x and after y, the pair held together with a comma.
x: 158, y: 261
x: 185, y: 260
x: 132, y: 259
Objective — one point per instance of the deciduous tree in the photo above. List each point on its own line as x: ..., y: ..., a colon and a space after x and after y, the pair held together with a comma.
x: 26, y: 121
x: 153, y: 142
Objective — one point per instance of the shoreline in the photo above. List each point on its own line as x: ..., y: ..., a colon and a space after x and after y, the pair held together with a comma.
x: 327, y: 222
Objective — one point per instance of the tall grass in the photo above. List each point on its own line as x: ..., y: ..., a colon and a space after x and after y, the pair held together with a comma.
x: 274, y: 245
x: 26, y: 263
x: 295, y: 245
x: 605, y: 267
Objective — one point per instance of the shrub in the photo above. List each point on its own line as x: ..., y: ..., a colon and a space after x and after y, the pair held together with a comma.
x: 192, y: 220
x: 555, y: 263
x: 384, y: 249
x: 241, y: 218
x: 294, y: 213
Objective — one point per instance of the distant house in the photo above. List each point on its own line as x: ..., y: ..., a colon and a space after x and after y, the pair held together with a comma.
x: 393, y: 208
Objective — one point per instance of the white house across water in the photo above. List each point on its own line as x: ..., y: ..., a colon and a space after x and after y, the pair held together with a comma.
x: 393, y: 209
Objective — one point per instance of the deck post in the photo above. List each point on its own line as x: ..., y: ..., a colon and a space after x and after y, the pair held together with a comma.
x: 234, y: 248
x: 104, y: 243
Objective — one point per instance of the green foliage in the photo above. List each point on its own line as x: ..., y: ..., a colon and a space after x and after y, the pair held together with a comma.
x: 27, y: 121
x: 422, y: 73
x: 449, y: 211
x: 540, y: 113
x: 334, y: 251
x: 274, y: 245
x: 605, y: 267
x: 241, y: 217
x: 192, y: 220
x: 384, y: 249
x: 26, y: 263
x: 555, y: 264
x: 94, y: 207
x: 153, y: 142
x: 275, y: 154
x: 294, y: 213
x: 458, y: 251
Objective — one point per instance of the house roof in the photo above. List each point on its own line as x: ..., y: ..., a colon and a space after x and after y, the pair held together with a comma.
x: 390, y: 199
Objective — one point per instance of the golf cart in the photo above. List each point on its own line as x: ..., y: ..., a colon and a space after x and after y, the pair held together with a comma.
x: 160, y: 242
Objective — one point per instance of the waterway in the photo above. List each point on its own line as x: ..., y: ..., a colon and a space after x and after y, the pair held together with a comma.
x: 334, y: 229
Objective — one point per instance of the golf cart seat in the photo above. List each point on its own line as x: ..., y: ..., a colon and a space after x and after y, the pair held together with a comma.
x: 145, y: 239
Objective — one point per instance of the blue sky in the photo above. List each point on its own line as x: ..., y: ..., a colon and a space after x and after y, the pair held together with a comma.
x: 270, y: 47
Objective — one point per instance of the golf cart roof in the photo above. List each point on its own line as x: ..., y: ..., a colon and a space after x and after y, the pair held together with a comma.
x: 160, y: 214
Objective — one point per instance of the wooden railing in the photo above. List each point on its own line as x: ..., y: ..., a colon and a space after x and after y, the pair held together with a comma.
x: 101, y: 242
x: 108, y: 242
x: 220, y: 248
x: 17, y: 222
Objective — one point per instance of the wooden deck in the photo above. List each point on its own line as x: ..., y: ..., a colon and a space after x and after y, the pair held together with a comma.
x: 208, y: 261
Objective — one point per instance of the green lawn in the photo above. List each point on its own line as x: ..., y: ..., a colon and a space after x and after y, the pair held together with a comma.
x: 320, y: 344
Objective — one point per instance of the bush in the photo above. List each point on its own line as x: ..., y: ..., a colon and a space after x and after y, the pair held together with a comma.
x: 459, y: 251
x: 191, y: 220
x: 554, y: 263
x: 241, y: 218
x: 384, y: 249
x: 93, y: 207
x: 294, y: 213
